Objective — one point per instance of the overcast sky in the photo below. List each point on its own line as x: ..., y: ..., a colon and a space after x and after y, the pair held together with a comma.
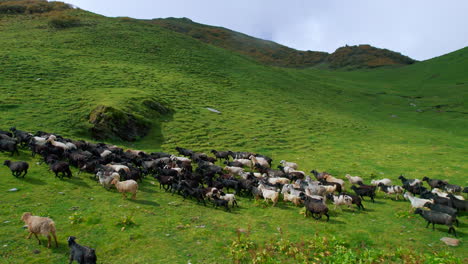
x: 421, y: 29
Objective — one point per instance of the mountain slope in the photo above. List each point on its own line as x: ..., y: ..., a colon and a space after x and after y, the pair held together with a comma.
x: 271, y: 53
x: 359, y: 122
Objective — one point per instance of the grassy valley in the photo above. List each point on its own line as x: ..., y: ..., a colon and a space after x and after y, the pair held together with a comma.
x: 374, y: 123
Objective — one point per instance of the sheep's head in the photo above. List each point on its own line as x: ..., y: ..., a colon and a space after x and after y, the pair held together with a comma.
x: 26, y: 216
x: 71, y: 239
x: 7, y: 162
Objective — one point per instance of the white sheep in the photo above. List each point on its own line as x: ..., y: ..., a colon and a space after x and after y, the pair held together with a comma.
x: 39, y: 141
x: 341, y: 199
x: 417, y: 202
x: 259, y: 160
x: 385, y: 181
x: 183, y: 159
x: 330, y: 178
x: 245, y: 162
x: 354, y: 179
x: 129, y: 186
x: 296, y: 200
x: 392, y: 189
x: 231, y: 198
x: 289, y: 164
x: 269, y: 194
x: 441, y: 193
x: 105, y: 153
x: 118, y: 167
x: 64, y: 146
x: 40, y: 225
x: 234, y: 170
x: 105, y: 178
x: 280, y: 180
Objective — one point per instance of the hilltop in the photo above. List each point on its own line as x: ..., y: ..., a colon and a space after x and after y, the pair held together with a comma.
x: 62, y: 69
x: 271, y: 53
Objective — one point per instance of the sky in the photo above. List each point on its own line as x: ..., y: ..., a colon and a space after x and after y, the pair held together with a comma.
x: 420, y: 29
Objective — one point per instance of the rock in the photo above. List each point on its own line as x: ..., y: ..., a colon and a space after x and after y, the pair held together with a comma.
x: 13, y: 190
x: 62, y: 193
x: 393, y: 116
x: 200, y: 226
x: 213, y: 110
x: 450, y: 241
x: 36, y: 251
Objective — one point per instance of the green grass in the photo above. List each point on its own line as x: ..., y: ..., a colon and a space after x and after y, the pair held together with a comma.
x: 336, y: 121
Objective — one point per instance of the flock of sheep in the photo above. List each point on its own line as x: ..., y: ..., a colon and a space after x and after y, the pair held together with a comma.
x: 196, y: 175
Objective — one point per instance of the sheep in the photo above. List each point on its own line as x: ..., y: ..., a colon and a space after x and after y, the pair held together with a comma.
x: 296, y: 200
x: 316, y: 207
x: 444, y: 194
x: 356, y: 200
x: 452, y: 188
x: 443, y: 209
x: 220, y: 202
x: 361, y: 191
x: 289, y: 164
x: 22, y: 136
x: 434, y: 217
x: 82, y: 254
x: 40, y: 225
x: 460, y: 205
x: 17, y: 167
x: 392, y: 189
x: 330, y: 178
x: 231, y: 198
x: 58, y: 144
x: 244, y: 162
x: 175, y: 158
x: 278, y: 180
x: 234, y: 170
x: 410, y: 182
x: 269, y: 194
x: 385, y: 181
x: 9, y: 146
x: 118, y: 167
x: 220, y: 154
x: 259, y: 160
x: 62, y: 167
x: 434, y: 183
x: 105, y: 178
x: 416, y: 202
x: 240, y: 154
x: 341, y: 199
x: 184, y: 152
x: 124, y: 187
x: 354, y: 179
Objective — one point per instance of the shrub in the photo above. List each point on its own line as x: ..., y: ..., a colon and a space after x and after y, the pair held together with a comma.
x: 75, y: 218
x: 64, y: 21
x: 31, y: 6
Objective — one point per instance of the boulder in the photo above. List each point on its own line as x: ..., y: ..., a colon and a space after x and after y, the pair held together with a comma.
x: 450, y: 241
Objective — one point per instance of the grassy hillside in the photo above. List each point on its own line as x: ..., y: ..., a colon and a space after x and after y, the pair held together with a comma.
x: 271, y: 53
x: 373, y: 123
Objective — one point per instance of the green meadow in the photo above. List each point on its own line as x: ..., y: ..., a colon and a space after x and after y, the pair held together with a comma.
x: 375, y: 123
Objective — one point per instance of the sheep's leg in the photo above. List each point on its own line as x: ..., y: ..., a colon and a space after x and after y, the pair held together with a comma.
x: 25, y: 172
x: 55, y: 238
x: 433, y: 226
x: 428, y: 223
x: 124, y: 195
x: 29, y: 236
x: 37, y: 238
x: 134, y: 196
x: 48, y: 241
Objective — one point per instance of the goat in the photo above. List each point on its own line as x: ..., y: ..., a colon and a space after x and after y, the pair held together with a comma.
x: 316, y: 207
x: 416, y: 202
x: 434, y: 217
x: 82, y: 254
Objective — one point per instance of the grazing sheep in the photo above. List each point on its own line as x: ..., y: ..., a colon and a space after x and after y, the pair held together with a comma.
x: 385, y: 181
x: 129, y: 186
x: 17, y: 167
x: 434, y: 183
x: 289, y: 164
x: 316, y: 207
x: 354, y: 179
x: 61, y: 167
x: 268, y: 194
x: 330, y: 178
x: 82, y: 254
x: 416, y: 202
x: 296, y: 200
x: 40, y: 225
x: 434, y: 217
x: 392, y: 189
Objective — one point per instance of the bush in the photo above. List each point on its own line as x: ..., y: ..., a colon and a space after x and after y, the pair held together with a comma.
x: 64, y: 21
x: 31, y: 6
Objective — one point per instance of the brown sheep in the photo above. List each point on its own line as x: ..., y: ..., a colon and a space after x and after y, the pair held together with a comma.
x: 40, y: 225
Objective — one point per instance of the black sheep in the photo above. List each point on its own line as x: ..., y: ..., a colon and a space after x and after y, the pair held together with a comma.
x: 443, y: 209
x: 452, y: 188
x: 17, y: 167
x: 221, y: 154
x: 316, y: 207
x: 9, y: 146
x: 460, y: 205
x: 61, y: 167
x: 220, y: 202
x: 362, y: 191
x: 184, y: 152
x: 81, y: 254
x: 356, y: 200
x: 434, y: 217
x: 434, y: 183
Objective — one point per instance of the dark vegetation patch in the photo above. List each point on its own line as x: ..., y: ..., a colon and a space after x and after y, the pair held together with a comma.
x: 31, y: 6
